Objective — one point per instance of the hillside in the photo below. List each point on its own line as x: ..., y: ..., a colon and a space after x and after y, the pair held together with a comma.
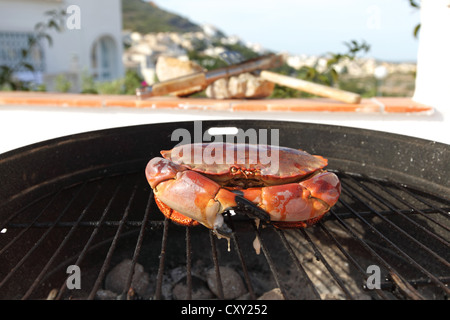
x: 145, y: 17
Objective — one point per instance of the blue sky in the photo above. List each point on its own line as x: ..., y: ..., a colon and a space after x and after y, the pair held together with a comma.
x: 311, y: 27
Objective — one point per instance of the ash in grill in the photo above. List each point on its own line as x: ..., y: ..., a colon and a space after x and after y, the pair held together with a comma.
x: 103, y: 218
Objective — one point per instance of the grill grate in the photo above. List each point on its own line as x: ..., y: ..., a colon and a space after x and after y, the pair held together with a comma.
x: 94, y: 224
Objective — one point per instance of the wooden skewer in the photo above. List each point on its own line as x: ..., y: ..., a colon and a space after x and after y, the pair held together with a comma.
x: 311, y: 87
x: 179, y: 84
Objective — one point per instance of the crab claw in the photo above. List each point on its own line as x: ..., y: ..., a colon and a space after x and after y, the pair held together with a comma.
x: 187, y: 195
x: 249, y: 208
x: 223, y: 229
x: 243, y: 206
x: 297, y: 204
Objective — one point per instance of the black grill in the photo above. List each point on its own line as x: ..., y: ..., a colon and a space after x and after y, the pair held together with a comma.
x: 91, y: 208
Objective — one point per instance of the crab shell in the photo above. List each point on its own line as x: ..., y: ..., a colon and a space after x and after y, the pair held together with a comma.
x: 196, y: 183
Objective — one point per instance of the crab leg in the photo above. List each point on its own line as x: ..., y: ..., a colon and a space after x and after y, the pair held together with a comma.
x: 192, y: 194
x: 297, y: 204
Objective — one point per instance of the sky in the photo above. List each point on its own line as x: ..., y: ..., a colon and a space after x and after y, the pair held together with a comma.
x: 311, y: 27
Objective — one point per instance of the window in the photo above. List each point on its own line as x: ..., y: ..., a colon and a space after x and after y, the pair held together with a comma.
x: 11, y: 46
x: 104, y: 59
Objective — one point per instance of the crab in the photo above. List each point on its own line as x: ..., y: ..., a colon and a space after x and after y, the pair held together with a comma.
x: 290, y: 191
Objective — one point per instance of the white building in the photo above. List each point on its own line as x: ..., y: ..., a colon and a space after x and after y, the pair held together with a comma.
x: 90, y: 41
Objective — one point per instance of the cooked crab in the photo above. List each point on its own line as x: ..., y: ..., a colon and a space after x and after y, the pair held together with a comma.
x: 293, y: 190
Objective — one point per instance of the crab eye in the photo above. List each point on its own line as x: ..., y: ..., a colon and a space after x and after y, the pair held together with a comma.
x: 233, y: 169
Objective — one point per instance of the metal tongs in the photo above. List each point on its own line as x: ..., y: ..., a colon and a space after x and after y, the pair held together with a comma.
x: 203, y: 79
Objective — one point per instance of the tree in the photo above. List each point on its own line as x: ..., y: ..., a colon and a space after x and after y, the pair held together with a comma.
x: 415, y: 5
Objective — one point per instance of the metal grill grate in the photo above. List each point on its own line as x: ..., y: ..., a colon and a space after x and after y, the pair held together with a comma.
x: 95, y: 224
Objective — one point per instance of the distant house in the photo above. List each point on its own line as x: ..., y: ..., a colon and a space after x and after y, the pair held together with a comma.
x: 144, y: 51
x: 92, y: 47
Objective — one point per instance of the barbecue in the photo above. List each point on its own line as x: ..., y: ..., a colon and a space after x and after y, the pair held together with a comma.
x: 83, y: 200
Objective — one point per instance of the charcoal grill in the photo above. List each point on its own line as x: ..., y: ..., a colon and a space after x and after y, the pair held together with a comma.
x: 83, y: 200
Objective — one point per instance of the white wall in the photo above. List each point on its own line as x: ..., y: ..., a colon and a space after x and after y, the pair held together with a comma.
x: 98, y: 18
x: 433, y: 58
x: 22, y: 15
